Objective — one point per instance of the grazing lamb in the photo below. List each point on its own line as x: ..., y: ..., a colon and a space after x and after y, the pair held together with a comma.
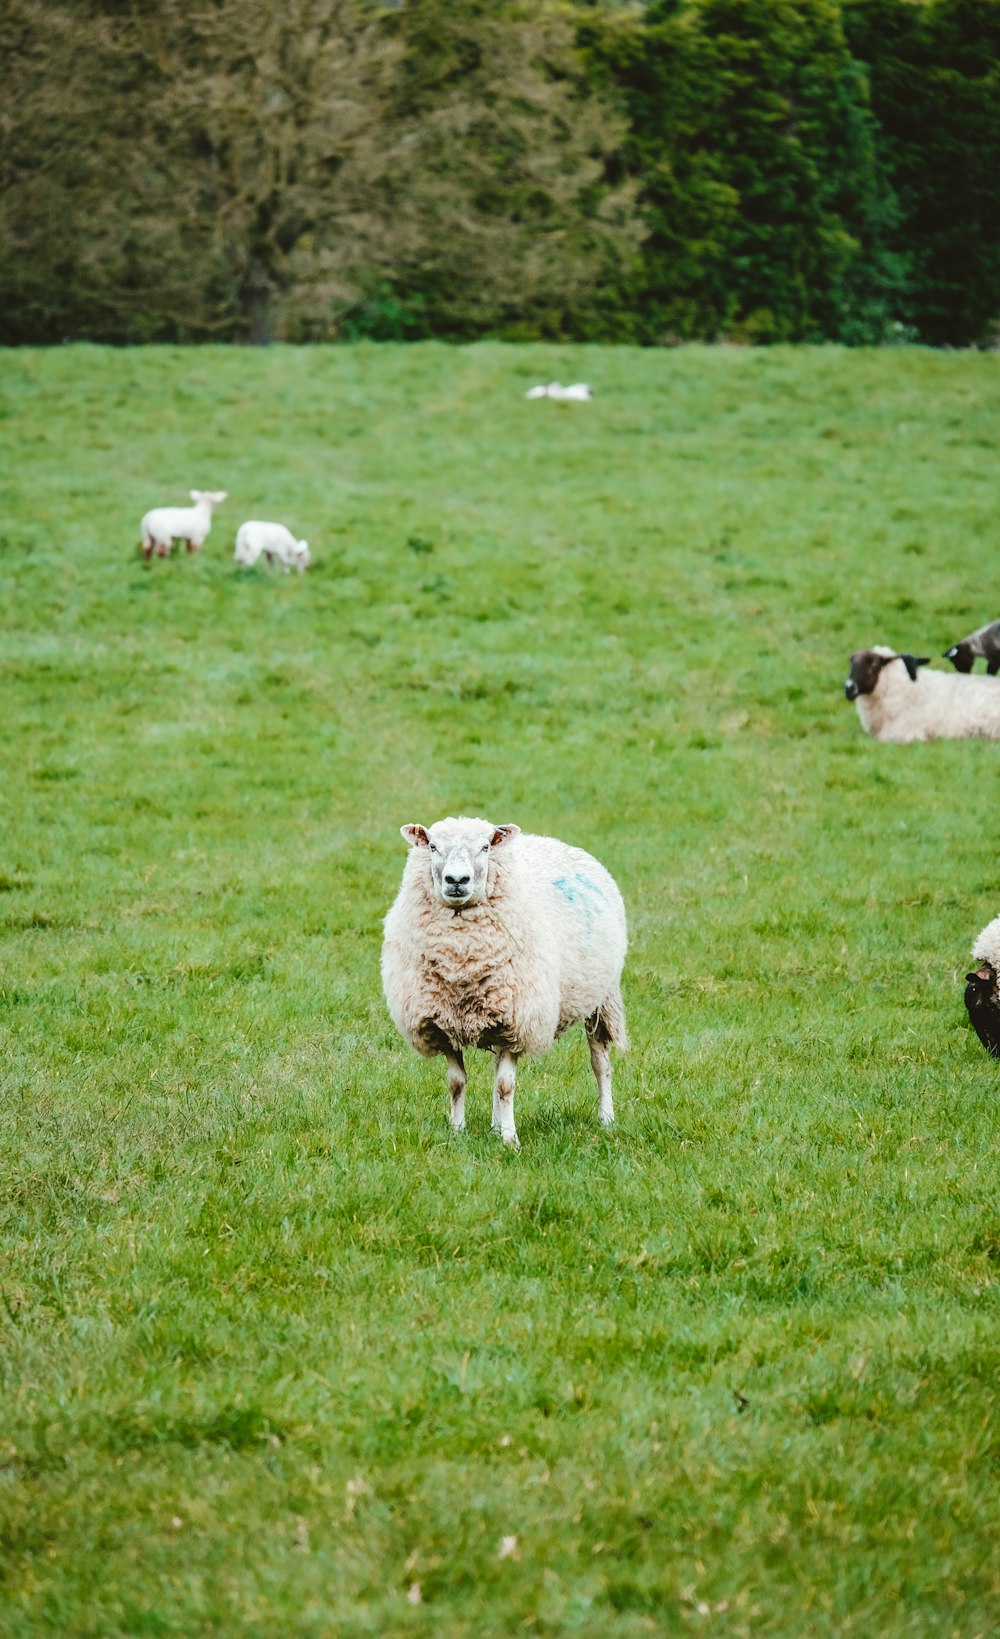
x: 180, y: 523
x: 985, y: 642
x: 896, y: 702
x: 501, y: 940
x: 272, y: 542
x: 982, y: 998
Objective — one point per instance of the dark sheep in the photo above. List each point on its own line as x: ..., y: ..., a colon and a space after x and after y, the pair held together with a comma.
x: 984, y: 644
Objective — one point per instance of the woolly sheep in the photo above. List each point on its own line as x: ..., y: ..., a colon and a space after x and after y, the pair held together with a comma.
x: 554, y: 389
x: 272, y: 542
x: 985, y: 642
x: 165, y: 524
x: 982, y: 999
x: 502, y: 940
x: 896, y: 702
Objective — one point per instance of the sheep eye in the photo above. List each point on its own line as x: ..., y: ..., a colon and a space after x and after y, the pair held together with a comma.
x: 485, y: 848
x: 432, y: 848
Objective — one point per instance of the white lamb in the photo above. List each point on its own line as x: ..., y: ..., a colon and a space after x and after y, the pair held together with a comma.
x: 896, y: 701
x: 501, y: 940
x: 272, y: 542
x: 165, y: 524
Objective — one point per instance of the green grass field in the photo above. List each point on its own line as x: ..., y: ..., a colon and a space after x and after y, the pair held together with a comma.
x: 283, y: 1356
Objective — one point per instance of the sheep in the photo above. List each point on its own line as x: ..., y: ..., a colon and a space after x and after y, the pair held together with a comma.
x: 895, y: 702
x: 272, y: 542
x: 165, y: 524
x: 554, y: 389
x: 984, y: 642
x: 501, y: 940
x: 982, y: 999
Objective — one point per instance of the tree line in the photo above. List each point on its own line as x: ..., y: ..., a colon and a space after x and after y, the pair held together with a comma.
x: 755, y: 170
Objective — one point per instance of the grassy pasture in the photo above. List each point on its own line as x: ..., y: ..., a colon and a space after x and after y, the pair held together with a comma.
x: 280, y: 1354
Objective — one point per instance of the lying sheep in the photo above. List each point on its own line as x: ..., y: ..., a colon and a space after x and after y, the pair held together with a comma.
x: 554, y: 389
x: 982, y: 999
x: 501, y: 940
x: 897, y: 702
x: 272, y: 542
x: 985, y: 643
x: 180, y: 523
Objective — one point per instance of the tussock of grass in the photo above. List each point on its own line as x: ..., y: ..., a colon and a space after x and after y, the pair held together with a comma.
x: 276, y: 1345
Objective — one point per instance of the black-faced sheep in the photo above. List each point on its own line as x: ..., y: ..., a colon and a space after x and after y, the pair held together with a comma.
x: 982, y: 998
x: 984, y: 644
x: 898, y: 701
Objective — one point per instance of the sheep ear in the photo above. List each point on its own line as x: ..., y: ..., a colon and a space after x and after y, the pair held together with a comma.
x: 195, y: 494
x: 911, y: 663
x: 504, y: 833
x: 415, y: 835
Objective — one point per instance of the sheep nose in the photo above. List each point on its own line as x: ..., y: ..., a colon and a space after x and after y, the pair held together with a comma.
x: 851, y: 689
x: 457, y: 884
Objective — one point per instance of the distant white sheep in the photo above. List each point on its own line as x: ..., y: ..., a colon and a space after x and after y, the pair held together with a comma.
x: 553, y: 389
x: 165, y: 524
x: 502, y: 941
x: 272, y: 542
x: 897, y: 701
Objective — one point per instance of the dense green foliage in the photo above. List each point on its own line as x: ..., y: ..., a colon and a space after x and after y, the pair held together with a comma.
x: 281, y: 1355
x: 935, y: 87
x: 810, y: 170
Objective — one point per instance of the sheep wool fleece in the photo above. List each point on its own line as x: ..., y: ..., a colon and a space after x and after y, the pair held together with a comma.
x: 544, y: 950
x: 987, y: 945
x: 937, y: 706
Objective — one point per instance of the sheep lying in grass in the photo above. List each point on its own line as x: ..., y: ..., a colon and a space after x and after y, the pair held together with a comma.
x: 165, y: 524
x: 984, y: 643
x: 554, y: 389
x: 982, y: 998
x: 501, y: 940
x: 897, y: 702
x: 272, y: 542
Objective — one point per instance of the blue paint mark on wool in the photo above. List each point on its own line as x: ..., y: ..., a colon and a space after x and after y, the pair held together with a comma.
x: 578, y: 890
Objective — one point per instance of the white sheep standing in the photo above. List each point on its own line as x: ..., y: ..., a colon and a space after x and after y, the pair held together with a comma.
x: 272, y: 542
x: 898, y: 701
x: 165, y: 524
x: 502, y: 940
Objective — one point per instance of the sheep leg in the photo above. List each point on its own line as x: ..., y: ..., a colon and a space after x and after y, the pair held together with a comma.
x: 163, y: 549
x: 456, y: 1087
x: 147, y: 550
x: 192, y: 545
x: 504, y: 1076
x: 600, y: 1063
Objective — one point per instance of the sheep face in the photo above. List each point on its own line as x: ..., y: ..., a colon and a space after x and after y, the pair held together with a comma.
x: 214, y: 497
x: 867, y: 666
x: 983, y: 1008
x: 459, y: 853
x: 961, y: 655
